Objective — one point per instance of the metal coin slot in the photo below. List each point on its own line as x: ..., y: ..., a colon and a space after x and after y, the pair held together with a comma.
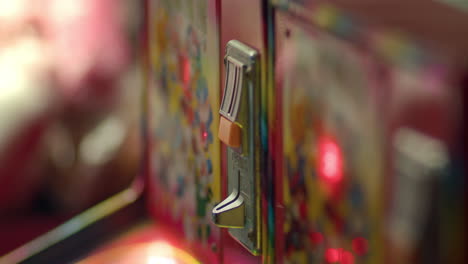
x: 239, y: 131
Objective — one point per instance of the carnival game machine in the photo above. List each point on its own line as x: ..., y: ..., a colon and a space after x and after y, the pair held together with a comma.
x: 301, y: 132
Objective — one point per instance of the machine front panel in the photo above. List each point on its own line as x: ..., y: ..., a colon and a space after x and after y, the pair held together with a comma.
x: 332, y: 174
x: 184, y: 90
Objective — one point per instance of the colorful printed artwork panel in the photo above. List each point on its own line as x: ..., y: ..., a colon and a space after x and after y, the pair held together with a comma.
x: 332, y: 165
x: 184, y: 101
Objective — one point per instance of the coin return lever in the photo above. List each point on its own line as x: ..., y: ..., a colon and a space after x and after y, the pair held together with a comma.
x: 239, y: 131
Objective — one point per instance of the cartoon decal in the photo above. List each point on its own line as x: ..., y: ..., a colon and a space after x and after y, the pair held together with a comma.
x: 185, y: 154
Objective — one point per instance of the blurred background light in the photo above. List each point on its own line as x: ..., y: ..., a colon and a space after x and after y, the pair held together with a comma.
x: 330, y: 160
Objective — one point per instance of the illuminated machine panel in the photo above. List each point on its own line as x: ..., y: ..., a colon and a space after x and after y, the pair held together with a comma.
x: 369, y: 149
x: 184, y: 102
x: 331, y: 170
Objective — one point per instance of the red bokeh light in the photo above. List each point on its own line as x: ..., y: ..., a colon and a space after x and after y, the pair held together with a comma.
x: 316, y: 238
x: 332, y: 255
x: 346, y: 257
x: 360, y: 245
x: 338, y: 255
x: 330, y: 160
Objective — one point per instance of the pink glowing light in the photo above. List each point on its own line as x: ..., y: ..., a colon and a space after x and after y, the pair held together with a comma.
x: 330, y: 160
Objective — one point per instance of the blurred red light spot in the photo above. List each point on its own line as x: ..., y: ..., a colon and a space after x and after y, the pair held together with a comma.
x: 360, y: 245
x: 347, y: 257
x: 316, y: 238
x: 330, y: 160
x: 205, y: 135
x: 332, y: 255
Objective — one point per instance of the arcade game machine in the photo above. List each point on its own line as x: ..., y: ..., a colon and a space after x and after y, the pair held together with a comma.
x: 290, y: 131
x: 325, y: 153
